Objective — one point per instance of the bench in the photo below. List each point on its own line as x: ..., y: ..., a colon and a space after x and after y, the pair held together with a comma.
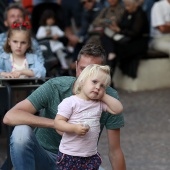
x: 153, y: 73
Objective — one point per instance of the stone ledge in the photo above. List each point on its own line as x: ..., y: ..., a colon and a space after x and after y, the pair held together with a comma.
x: 152, y: 74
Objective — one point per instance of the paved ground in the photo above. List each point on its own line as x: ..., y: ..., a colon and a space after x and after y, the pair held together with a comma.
x: 146, y: 135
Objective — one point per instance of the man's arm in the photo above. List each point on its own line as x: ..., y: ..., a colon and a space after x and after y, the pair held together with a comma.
x: 115, y: 152
x: 158, y: 19
x: 164, y: 28
x: 23, y: 114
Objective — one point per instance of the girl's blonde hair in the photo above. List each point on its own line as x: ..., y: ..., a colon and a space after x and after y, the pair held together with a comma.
x: 90, y: 70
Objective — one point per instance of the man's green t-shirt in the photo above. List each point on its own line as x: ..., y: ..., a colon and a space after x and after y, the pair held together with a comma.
x: 49, y: 95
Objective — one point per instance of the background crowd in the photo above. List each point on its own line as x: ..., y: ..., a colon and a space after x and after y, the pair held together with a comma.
x: 131, y: 25
x: 126, y: 29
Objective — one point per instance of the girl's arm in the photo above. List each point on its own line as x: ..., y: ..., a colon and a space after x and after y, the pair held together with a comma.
x: 7, y: 74
x: 57, y: 33
x: 61, y: 124
x: 114, y: 106
x: 26, y: 72
x: 17, y: 74
x: 37, y: 68
x: 41, y: 33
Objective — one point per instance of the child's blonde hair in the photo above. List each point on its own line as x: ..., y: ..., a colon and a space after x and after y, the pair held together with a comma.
x: 90, y: 70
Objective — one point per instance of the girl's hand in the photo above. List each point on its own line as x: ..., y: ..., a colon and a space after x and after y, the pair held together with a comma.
x: 7, y: 75
x: 81, y: 130
x: 48, y: 32
x: 16, y: 74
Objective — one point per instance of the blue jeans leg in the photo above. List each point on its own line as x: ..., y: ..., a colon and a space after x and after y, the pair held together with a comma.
x: 26, y: 153
x: 4, y: 165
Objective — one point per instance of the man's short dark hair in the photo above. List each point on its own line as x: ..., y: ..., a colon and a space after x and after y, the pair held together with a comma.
x: 14, y: 6
x: 94, y: 49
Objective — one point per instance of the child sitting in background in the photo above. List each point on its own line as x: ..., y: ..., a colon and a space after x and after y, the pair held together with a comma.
x: 78, y: 118
x: 17, y: 61
x: 49, y: 29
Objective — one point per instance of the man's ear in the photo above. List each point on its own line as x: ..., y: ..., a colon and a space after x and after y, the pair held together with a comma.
x: 6, y: 23
x: 76, y: 64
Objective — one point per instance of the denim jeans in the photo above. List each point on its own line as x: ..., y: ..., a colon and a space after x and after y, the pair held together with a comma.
x: 27, y: 154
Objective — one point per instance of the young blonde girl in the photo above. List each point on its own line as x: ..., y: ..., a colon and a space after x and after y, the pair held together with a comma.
x: 17, y: 61
x: 78, y: 118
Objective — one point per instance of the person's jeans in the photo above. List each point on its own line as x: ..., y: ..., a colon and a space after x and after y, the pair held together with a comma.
x: 27, y: 154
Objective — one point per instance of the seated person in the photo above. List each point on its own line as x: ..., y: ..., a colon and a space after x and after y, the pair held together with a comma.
x: 130, y: 39
x: 13, y: 13
x: 72, y: 12
x: 160, y: 26
x: 91, y: 9
x: 17, y: 61
x: 49, y: 29
x: 111, y: 13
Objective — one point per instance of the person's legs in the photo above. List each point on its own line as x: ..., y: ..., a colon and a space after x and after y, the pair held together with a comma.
x: 107, y: 44
x: 72, y: 10
x: 92, y: 162
x: 26, y: 153
x: 69, y: 162
x: 4, y: 165
x: 61, y: 56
